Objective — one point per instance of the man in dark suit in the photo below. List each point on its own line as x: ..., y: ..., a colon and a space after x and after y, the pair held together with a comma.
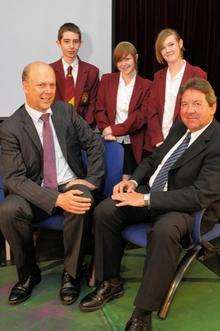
x: 77, y: 81
x: 181, y: 177
x: 43, y: 173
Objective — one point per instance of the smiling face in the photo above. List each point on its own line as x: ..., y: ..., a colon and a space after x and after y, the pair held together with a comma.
x: 171, y: 49
x: 127, y: 65
x: 39, y: 86
x: 69, y: 45
x: 195, y: 111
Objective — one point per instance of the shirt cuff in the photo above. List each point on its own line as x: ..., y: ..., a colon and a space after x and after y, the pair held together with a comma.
x: 134, y: 181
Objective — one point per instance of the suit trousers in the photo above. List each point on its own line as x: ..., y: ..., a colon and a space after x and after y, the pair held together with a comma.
x: 163, y: 249
x: 17, y: 217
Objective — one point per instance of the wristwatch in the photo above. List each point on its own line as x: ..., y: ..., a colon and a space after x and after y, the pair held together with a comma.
x: 146, y: 199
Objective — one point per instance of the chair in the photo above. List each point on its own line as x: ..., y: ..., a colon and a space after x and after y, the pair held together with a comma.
x: 137, y: 235
x: 114, y: 156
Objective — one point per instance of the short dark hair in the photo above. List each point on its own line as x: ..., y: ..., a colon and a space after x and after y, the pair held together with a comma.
x: 201, y: 85
x: 68, y: 27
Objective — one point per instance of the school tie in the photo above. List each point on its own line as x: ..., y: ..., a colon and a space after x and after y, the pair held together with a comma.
x: 69, y: 86
x: 49, y: 158
x: 162, y: 176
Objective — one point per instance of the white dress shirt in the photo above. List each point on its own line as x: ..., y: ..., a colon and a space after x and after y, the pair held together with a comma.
x: 64, y: 173
x: 171, y: 91
x: 123, y: 100
x: 74, y: 65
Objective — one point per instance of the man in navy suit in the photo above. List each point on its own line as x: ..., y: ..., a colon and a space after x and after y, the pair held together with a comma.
x: 180, y: 177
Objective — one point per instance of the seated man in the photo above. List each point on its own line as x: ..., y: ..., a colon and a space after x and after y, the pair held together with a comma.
x: 77, y: 81
x: 43, y: 173
x: 181, y: 177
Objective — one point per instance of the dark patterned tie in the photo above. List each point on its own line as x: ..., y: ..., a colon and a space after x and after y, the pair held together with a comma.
x: 69, y: 86
x: 162, y: 176
x: 49, y: 158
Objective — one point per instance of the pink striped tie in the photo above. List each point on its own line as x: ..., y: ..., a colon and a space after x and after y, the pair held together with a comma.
x: 49, y: 158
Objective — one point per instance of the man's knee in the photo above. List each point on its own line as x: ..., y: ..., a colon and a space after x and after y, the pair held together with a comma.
x: 13, y: 207
x: 170, y: 226
x: 104, y: 213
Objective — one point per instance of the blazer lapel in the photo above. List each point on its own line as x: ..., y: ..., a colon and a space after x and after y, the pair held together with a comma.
x: 162, y: 90
x: 135, y: 94
x: 80, y: 81
x: 61, y: 78
x: 187, y: 74
x: 113, y: 90
x: 31, y: 130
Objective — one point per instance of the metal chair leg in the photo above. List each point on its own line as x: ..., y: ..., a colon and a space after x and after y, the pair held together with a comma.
x: 183, y: 266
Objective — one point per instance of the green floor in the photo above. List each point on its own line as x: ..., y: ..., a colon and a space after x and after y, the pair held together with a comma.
x: 196, y: 306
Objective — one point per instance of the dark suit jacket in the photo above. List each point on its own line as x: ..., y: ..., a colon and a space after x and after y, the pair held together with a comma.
x: 137, y: 114
x: 194, y: 180
x: 85, y: 88
x: 22, y: 153
x: 154, y: 133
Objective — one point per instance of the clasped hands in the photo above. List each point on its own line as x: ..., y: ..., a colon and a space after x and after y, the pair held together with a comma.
x: 125, y: 195
x: 107, y: 134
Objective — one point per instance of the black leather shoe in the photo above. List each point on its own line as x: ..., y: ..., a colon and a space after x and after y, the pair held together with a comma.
x: 70, y: 289
x: 139, y: 324
x: 104, y: 292
x: 22, y: 291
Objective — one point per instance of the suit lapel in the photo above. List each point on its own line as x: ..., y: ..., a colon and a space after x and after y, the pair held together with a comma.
x: 171, y: 140
x: 60, y: 129
x: 30, y: 129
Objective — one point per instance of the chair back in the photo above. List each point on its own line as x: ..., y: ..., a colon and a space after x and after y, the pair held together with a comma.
x: 114, y: 159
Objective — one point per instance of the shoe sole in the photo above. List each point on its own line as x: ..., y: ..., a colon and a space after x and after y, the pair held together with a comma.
x: 67, y: 303
x: 28, y: 297
x: 90, y: 309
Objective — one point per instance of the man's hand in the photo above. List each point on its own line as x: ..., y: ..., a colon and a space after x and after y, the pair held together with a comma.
x: 81, y: 182
x: 72, y: 202
x: 124, y: 186
x: 134, y: 199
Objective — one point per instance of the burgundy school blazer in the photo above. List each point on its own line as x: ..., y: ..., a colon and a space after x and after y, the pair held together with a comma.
x: 137, y: 113
x: 86, y: 88
x: 154, y: 135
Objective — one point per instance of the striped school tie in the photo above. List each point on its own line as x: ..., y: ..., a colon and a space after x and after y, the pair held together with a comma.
x: 162, y: 176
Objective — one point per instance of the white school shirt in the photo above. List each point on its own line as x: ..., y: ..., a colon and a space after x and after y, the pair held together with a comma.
x: 123, y: 100
x: 171, y: 91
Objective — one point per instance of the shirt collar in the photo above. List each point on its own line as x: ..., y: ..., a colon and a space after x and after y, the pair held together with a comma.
x: 36, y: 114
x: 122, y: 82
x: 197, y: 133
x: 73, y: 64
x: 179, y: 74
